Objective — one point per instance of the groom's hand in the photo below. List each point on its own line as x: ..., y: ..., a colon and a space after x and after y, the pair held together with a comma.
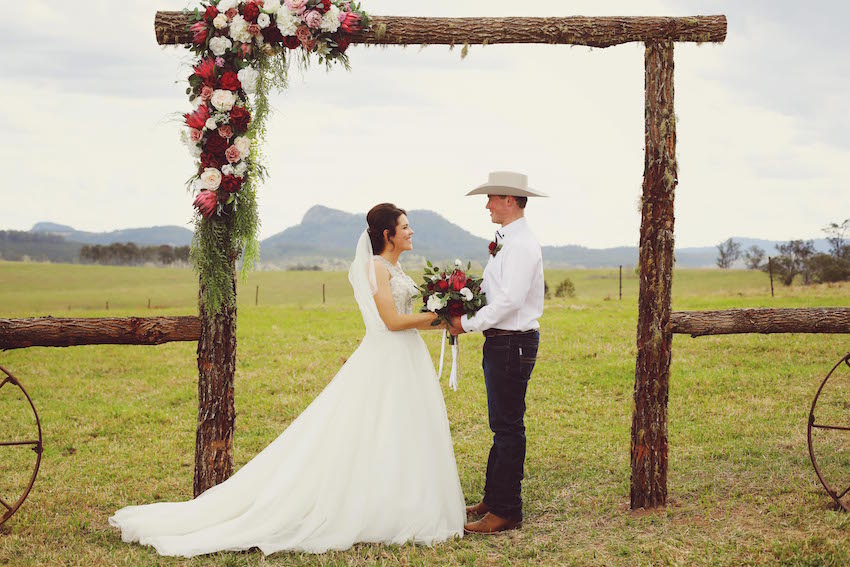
x: 455, y: 327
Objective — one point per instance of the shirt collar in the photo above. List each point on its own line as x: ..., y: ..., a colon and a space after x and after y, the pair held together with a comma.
x: 512, y: 228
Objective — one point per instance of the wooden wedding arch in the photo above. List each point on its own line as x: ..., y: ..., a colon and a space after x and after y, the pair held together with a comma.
x: 216, y: 335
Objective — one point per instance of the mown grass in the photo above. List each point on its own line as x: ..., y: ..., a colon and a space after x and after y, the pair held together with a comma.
x: 119, y: 422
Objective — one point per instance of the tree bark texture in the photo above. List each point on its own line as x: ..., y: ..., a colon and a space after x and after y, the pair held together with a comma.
x: 765, y: 321
x: 216, y: 402
x: 51, y: 332
x: 172, y: 28
x: 654, y: 339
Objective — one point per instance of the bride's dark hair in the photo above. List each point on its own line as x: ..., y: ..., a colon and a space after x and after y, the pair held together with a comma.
x: 380, y: 218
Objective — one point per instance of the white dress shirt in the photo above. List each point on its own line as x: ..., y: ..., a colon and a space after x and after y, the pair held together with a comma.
x: 513, y: 282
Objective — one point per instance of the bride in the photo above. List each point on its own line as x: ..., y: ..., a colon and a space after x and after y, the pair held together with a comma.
x: 369, y: 460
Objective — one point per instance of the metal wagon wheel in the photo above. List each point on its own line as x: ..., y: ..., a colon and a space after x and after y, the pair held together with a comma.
x: 18, y: 444
x: 834, y: 429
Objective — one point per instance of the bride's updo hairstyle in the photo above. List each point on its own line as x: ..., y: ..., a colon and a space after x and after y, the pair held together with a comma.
x: 382, y: 217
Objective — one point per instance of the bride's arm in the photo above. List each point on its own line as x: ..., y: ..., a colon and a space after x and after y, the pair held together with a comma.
x: 394, y: 320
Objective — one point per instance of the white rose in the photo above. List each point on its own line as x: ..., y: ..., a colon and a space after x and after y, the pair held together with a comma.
x: 242, y: 144
x: 263, y: 20
x: 211, y: 178
x: 458, y: 263
x: 241, y: 168
x: 220, y: 22
x: 271, y: 6
x: 210, y: 124
x: 223, y: 100
x: 435, y: 303
x: 227, y: 169
x: 239, y: 29
x: 466, y: 293
x: 219, y: 45
x: 225, y: 5
x: 194, y: 149
x: 330, y: 21
x: 248, y: 77
x: 287, y: 22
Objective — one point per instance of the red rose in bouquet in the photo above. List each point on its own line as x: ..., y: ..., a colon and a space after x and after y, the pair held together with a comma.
x: 323, y: 6
x: 455, y: 308
x: 442, y: 285
x: 239, y: 119
x: 215, y: 144
x: 251, y: 11
x: 210, y: 13
x: 209, y: 159
x: 229, y: 81
x: 198, y: 118
x: 291, y: 42
x: 231, y: 183
x: 272, y: 35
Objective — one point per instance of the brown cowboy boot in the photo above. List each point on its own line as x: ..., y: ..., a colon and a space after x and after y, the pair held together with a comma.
x: 491, y: 524
x: 477, y: 510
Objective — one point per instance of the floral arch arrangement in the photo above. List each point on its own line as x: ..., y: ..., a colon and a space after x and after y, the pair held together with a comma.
x: 244, y: 49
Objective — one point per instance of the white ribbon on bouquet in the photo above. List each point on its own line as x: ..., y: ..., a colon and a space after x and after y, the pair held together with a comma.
x: 453, y: 373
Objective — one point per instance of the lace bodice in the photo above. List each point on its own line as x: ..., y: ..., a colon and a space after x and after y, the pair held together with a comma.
x: 402, y: 285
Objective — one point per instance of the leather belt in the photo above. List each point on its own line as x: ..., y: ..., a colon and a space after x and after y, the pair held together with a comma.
x: 501, y: 332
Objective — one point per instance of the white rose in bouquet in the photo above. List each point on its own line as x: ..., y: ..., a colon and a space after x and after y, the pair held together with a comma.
x: 223, y: 99
x: 211, y: 179
x: 466, y: 293
x: 248, y: 77
x: 220, y: 22
x: 435, y: 303
x: 219, y: 45
x: 243, y: 144
x: 239, y: 29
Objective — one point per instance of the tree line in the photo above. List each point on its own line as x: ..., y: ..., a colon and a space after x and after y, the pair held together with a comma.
x: 796, y: 257
x: 130, y: 254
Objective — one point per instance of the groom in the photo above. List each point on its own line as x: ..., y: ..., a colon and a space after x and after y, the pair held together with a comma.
x: 513, y: 284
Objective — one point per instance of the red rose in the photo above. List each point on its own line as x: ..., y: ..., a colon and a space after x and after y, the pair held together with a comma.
x: 198, y: 118
x: 442, y: 285
x: 272, y: 35
x: 205, y: 70
x: 458, y: 281
x: 239, y: 119
x: 291, y: 42
x: 210, y: 13
x: 215, y: 144
x: 199, y: 31
x: 229, y: 81
x: 455, y: 308
x: 351, y: 23
x: 323, y: 6
x: 231, y: 183
x: 212, y: 160
x: 492, y: 248
x: 251, y: 11
x: 342, y: 41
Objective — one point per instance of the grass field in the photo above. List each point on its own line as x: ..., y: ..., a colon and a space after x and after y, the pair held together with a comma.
x: 119, y: 422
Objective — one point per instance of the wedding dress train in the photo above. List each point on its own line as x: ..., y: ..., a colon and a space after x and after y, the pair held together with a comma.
x: 369, y: 460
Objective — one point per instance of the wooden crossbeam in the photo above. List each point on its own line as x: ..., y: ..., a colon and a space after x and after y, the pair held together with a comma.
x: 63, y: 332
x: 172, y: 28
x: 764, y: 321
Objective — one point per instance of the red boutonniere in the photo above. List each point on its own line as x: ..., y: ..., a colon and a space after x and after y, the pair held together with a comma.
x: 494, y: 248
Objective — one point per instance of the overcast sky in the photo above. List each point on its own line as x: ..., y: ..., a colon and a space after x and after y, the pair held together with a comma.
x: 89, y: 112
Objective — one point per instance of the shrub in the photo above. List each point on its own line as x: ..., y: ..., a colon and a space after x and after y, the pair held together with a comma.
x: 566, y: 289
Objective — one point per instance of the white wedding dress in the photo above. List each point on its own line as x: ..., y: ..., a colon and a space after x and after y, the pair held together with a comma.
x: 369, y: 460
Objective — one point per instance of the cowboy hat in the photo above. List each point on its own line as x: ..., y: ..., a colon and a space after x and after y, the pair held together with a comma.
x: 506, y: 183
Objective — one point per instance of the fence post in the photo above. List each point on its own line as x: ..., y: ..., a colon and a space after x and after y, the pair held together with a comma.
x: 257, y: 296
x: 323, y: 293
x: 770, y: 271
x: 621, y: 281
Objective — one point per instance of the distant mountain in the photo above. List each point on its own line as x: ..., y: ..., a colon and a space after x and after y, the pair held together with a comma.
x: 326, y: 237
x: 152, y: 236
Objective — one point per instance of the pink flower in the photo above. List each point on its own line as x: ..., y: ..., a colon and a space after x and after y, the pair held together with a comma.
x: 195, y: 135
x: 206, y: 92
x: 296, y: 6
x: 303, y: 33
x: 313, y: 19
x: 219, y: 61
x: 199, y: 31
x: 198, y: 118
x: 231, y: 13
x: 351, y: 23
x: 253, y: 29
x: 232, y: 154
x: 309, y: 44
x: 206, y: 202
x: 245, y: 49
x: 260, y: 3
x: 341, y: 16
x: 225, y: 131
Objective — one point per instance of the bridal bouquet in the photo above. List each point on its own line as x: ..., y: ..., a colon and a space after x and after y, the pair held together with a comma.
x: 448, y: 294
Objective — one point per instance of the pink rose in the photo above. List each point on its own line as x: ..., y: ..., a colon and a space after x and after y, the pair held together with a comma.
x: 313, y: 19
x: 219, y: 61
x: 232, y: 154
x: 309, y: 44
x: 253, y: 29
x: 341, y: 16
x: 260, y: 3
x: 195, y: 135
x: 296, y: 6
x: 231, y: 13
x: 245, y: 49
x: 206, y: 92
x: 225, y: 131
x: 303, y: 33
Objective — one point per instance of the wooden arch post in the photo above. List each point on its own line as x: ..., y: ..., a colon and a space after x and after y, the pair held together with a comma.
x: 213, y: 455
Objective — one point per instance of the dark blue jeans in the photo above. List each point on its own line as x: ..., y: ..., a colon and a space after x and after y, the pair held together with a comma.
x: 508, y: 362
